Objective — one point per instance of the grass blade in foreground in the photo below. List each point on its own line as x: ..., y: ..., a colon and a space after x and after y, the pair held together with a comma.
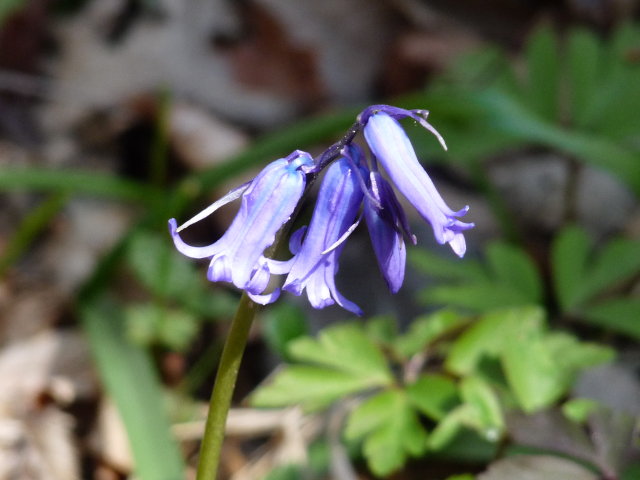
x: 131, y: 381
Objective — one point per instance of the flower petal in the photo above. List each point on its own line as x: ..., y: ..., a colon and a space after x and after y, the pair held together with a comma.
x: 391, y: 146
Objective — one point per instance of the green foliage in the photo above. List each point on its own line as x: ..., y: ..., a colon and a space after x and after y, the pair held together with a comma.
x: 132, y: 382
x: 343, y: 361
x: 589, y: 284
x: 148, y: 325
x: 390, y: 430
x: 509, y: 278
x: 281, y: 324
x: 532, y: 369
x: 568, y: 94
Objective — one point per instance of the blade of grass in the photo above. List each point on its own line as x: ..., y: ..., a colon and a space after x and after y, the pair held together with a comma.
x: 74, y: 181
x: 29, y: 229
x: 130, y: 380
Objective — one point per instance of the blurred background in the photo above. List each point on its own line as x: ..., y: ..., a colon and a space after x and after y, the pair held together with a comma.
x: 116, y: 115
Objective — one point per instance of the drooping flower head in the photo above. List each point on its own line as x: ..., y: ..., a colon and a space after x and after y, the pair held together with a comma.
x: 317, y: 248
x: 267, y: 203
x: 352, y: 187
x: 391, y: 146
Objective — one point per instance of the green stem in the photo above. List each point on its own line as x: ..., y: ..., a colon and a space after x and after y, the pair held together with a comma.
x: 223, y: 389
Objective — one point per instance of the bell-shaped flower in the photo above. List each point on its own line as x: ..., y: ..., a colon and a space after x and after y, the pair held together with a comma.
x: 267, y: 203
x: 387, y: 222
x: 391, y: 146
x: 317, y: 248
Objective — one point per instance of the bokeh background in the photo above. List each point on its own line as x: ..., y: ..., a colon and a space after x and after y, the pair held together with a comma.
x: 116, y: 115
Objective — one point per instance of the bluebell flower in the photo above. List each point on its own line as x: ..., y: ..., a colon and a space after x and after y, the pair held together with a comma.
x: 267, y: 203
x: 392, y: 148
x: 317, y: 248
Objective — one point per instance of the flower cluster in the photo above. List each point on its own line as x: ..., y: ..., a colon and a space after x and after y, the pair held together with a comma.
x: 353, y: 187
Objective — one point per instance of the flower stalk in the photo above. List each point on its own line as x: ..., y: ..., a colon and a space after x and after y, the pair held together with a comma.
x: 223, y: 388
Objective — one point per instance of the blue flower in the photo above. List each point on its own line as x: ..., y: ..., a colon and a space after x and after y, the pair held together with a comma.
x: 392, y: 148
x: 267, y: 203
x: 317, y: 248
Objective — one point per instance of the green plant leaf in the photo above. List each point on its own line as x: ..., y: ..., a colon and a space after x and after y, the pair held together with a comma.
x: 426, y: 329
x: 509, y: 115
x: 569, y: 256
x: 584, y: 64
x: 510, y: 280
x: 621, y: 315
x: 487, y: 337
x: 131, y: 381
x: 160, y: 267
x: 447, y: 429
x: 531, y: 370
x: 345, y: 348
x: 573, y: 355
x: 544, y: 69
x: 477, y: 297
x: 618, y: 261
x: 578, y: 410
x: 390, y: 430
x: 149, y: 324
x: 312, y: 387
x: 483, y: 411
x: 382, y: 329
x: 513, y: 267
x: 444, y: 268
x: 433, y: 395
x: 282, y: 323
x: 167, y: 274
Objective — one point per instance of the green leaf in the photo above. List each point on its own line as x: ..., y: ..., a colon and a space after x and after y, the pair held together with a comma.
x: 621, y: 315
x: 487, y: 337
x: 161, y: 268
x: 283, y: 323
x: 448, y: 428
x: 483, y: 411
x: 312, y: 387
x: 74, y: 181
x: 426, y: 329
x: 382, y: 329
x: 531, y: 369
x: 149, y: 324
x: 345, y: 348
x: 30, y: 227
x: 618, y: 261
x: 573, y: 355
x: 511, y: 280
x: 536, y: 467
x: 433, y: 264
x: 477, y: 297
x: 167, y: 274
x: 584, y: 61
x: 390, y: 430
x: 510, y: 116
x: 578, y: 410
x: 513, y: 267
x: 569, y: 256
x: 433, y: 395
x: 544, y: 68
x: 130, y: 379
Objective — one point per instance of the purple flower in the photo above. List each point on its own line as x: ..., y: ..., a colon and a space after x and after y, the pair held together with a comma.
x: 315, y: 262
x: 391, y: 146
x: 386, y: 225
x: 268, y: 202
